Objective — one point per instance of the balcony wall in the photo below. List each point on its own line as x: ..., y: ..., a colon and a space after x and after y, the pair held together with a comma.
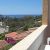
x: 34, y: 41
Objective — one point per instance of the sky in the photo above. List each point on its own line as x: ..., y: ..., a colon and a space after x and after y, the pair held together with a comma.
x: 20, y: 7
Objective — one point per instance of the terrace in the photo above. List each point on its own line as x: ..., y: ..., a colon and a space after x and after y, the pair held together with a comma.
x: 37, y: 40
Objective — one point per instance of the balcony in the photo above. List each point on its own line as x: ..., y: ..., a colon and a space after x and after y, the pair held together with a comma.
x: 37, y: 40
x: 34, y: 41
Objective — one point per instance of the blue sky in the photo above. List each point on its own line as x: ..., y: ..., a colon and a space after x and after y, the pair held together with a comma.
x: 21, y: 7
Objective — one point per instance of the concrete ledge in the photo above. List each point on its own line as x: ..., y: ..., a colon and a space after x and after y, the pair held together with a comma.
x: 27, y: 42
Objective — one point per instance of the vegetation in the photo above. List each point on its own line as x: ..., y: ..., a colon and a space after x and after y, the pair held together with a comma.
x: 2, y: 36
x: 7, y: 47
x: 25, y: 22
x: 19, y: 24
x: 25, y: 28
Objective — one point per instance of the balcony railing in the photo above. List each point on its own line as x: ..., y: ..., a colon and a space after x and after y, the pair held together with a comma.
x: 32, y: 41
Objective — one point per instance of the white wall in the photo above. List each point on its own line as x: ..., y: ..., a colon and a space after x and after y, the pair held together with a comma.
x: 36, y: 44
x: 32, y: 41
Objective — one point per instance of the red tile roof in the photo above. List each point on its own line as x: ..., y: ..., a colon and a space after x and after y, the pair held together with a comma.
x: 12, y: 34
x: 17, y: 36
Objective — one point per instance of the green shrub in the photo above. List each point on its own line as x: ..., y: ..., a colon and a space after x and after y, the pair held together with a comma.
x: 25, y: 28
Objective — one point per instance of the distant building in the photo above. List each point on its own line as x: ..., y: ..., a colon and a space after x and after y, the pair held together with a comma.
x: 11, y: 37
x: 6, y: 28
x: 3, y: 27
x: 1, y: 23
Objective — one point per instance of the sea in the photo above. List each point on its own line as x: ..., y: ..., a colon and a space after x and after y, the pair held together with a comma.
x: 19, y: 16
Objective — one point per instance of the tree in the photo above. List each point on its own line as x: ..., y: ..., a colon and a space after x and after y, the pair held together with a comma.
x: 25, y: 28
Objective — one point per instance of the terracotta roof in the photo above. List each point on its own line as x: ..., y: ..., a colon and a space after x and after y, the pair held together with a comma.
x: 12, y: 34
x: 17, y: 36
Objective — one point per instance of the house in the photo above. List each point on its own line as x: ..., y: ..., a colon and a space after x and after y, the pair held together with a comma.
x: 3, y: 27
x: 11, y: 37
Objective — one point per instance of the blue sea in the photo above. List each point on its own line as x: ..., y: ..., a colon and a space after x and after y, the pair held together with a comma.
x: 19, y: 16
